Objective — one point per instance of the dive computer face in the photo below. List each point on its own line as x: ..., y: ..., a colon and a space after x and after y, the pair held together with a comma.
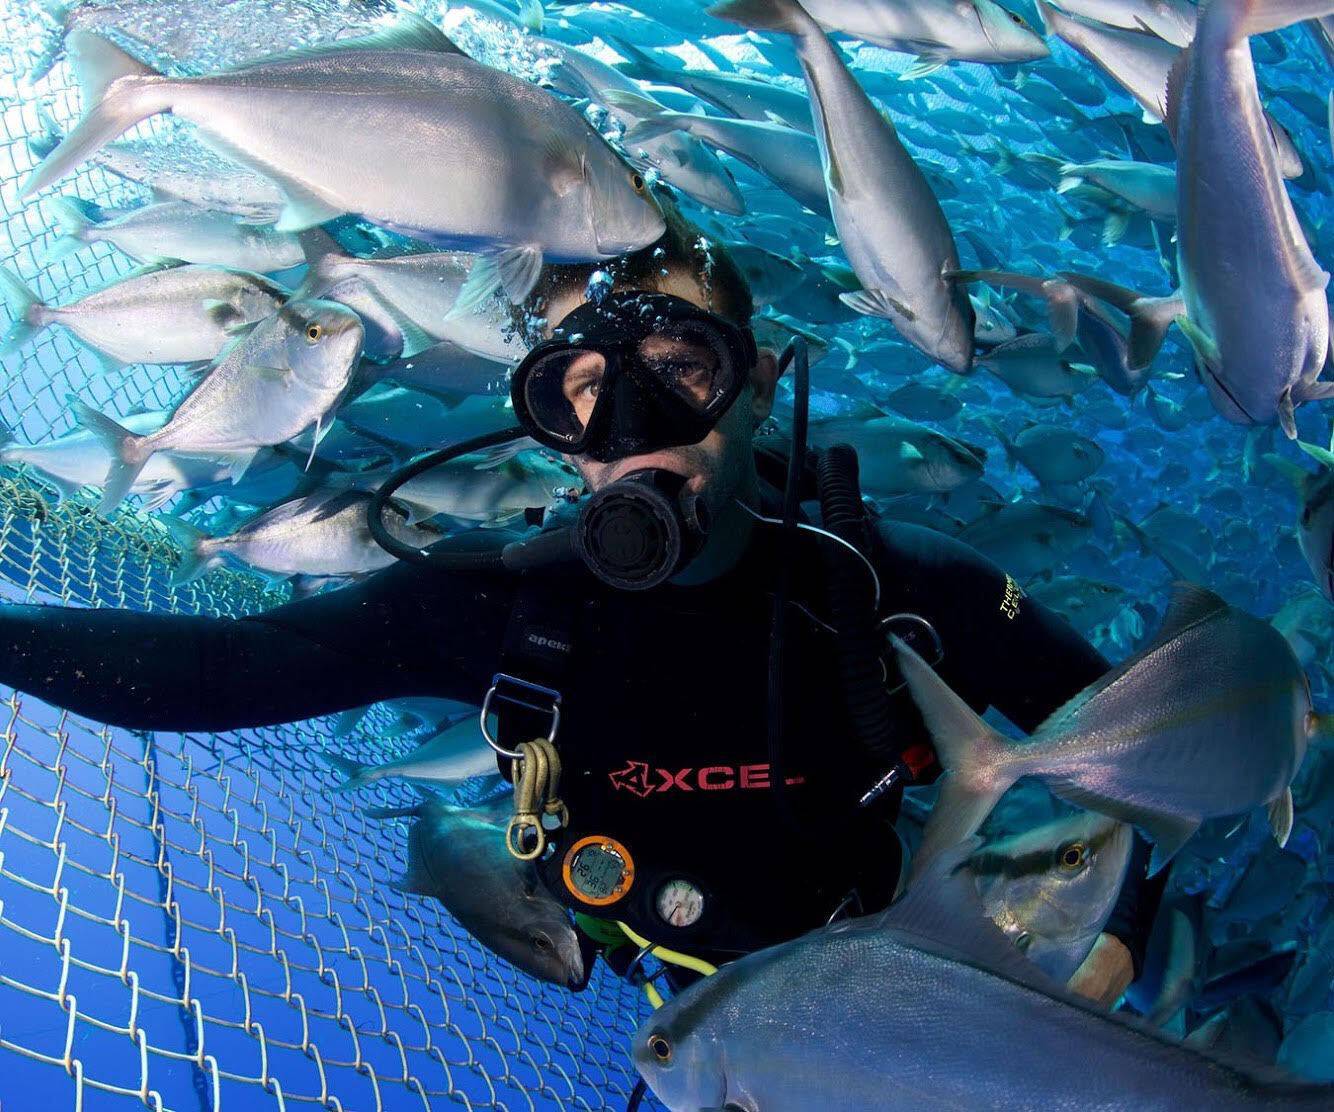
x: 598, y: 870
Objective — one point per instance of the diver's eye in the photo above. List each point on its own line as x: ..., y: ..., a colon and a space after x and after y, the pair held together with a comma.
x: 314, y: 332
x: 660, y: 1048
x: 1073, y: 855
x: 638, y: 184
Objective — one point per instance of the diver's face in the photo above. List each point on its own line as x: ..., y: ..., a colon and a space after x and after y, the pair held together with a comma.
x: 721, y: 466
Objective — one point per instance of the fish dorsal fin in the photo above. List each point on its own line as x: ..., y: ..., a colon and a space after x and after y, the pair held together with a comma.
x: 1190, y: 605
x: 942, y: 913
x: 1176, y: 81
x: 408, y: 31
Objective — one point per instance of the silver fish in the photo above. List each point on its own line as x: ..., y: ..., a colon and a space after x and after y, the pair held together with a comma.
x: 1147, y: 186
x: 1211, y: 719
x: 1256, y: 312
x: 483, y: 491
x: 458, y: 856
x: 787, y: 157
x: 770, y: 276
x: 901, y: 457
x: 456, y: 753
x: 419, y: 292
x: 230, y: 34
x: 430, y: 144
x: 892, y: 228
x: 288, y: 373
x: 1028, y: 538
x: 1032, y: 365
x: 1051, y: 889
x: 1140, y: 63
x: 176, y: 231
x: 812, y: 1024
x: 319, y: 534
x: 682, y: 160
x: 80, y: 459
x: 936, y: 31
x: 183, y: 314
x: 1171, y: 20
x: 176, y: 166
x: 732, y: 93
x: 1054, y: 454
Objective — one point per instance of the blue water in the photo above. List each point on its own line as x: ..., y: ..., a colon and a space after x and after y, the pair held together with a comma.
x: 268, y: 875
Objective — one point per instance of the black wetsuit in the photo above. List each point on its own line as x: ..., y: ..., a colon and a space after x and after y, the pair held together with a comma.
x: 663, y: 732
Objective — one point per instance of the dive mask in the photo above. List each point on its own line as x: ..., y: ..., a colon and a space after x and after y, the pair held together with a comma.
x: 631, y: 373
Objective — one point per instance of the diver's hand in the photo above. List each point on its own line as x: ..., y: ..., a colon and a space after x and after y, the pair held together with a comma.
x: 1105, y: 974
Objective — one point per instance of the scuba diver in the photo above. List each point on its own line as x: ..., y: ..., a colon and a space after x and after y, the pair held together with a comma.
x: 705, y: 657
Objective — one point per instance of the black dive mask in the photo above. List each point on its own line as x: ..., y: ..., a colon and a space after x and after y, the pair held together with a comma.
x: 632, y: 373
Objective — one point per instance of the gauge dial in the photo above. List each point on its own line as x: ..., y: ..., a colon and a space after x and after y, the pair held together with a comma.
x: 679, y: 903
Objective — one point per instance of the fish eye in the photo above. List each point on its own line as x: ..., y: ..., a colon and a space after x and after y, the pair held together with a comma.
x: 542, y: 942
x: 314, y: 332
x: 1024, y: 940
x: 1073, y: 855
x: 638, y: 184
x: 1018, y: 19
x: 660, y: 1048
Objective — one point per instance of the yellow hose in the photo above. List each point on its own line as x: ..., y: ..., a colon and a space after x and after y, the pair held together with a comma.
x: 672, y: 957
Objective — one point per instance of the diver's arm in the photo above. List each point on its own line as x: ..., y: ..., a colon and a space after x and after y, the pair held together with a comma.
x: 401, y: 632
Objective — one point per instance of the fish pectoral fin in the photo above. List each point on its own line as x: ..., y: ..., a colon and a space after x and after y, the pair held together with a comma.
x: 1280, y: 817
x: 239, y: 462
x: 909, y: 451
x: 517, y: 269
x: 1169, y: 834
x: 487, y: 278
x: 1204, y: 345
x: 877, y: 303
x: 925, y: 64
x: 562, y: 165
x: 415, y: 338
x: 274, y: 374
x: 223, y: 314
x: 1287, y: 414
x: 303, y: 210
x: 941, y: 907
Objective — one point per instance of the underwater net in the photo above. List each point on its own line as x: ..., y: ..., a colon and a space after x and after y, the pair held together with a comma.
x: 185, y: 921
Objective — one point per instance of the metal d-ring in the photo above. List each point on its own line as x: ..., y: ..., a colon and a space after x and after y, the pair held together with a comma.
x: 916, y: 619
x: 552, y: 709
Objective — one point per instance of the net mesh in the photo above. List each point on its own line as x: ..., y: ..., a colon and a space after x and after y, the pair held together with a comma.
x: 186, y: 921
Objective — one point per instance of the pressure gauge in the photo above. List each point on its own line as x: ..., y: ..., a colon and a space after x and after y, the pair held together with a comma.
x: 679, y: 903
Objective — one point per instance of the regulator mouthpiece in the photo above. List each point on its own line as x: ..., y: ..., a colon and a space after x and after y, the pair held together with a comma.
x: 641, y: 530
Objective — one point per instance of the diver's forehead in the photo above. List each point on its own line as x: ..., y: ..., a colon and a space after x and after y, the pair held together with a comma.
x: 680, y: 283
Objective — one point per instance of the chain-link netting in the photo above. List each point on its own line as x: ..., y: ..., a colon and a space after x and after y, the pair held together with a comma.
x: 187, y: 921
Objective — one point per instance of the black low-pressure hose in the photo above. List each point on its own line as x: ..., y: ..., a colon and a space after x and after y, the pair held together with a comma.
x: 796, y: 354
x: 463, y: 560
x: 859, y: 643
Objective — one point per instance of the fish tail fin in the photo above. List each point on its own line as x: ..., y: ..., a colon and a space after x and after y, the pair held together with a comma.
x: 1150, y: 318
x: 531, y: 15
x: 1006, y: 443
x: 190, y: 539
x: 119, y: 92
x: 74, y: 217
x: 355, y: 774
x: 129, y: 452
x: 382, y: 813
x: 24, y: 307
x: 654, y: 124
x: 766, y: 15
x: 971, y: 753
